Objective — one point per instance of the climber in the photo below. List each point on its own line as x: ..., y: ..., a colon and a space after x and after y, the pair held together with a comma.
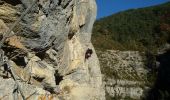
x: 70, y: 35
x: 88, y: 53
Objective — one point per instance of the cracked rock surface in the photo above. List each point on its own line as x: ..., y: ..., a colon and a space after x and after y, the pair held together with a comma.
x: 49, y: 55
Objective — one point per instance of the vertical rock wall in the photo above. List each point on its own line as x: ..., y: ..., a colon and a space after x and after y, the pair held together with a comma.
x: 51, y: 54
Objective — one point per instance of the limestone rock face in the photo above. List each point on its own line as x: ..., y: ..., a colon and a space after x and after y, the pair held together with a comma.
x: 50, y: 55
x: 8, y: 89
x: 125, y: 74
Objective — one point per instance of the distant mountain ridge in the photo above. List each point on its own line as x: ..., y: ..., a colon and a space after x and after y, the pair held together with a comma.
x: 135, y: 29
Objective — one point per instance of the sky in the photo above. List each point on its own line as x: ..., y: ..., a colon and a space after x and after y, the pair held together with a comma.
x: 109, y: 7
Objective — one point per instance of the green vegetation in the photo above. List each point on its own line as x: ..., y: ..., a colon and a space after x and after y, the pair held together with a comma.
x: 145, y: 30
x: 136, y: 29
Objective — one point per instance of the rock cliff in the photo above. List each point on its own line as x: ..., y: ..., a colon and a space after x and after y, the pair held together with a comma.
x: 125, y: 74
x: 48, y: 54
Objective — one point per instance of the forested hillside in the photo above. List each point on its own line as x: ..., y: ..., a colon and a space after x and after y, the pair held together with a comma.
x: 136, y: 29
x: 133, y: 42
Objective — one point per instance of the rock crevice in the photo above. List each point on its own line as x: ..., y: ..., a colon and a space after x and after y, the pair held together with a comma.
x: 47, y: 51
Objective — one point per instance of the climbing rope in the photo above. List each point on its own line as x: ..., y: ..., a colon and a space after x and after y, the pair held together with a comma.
x: 7, y: 34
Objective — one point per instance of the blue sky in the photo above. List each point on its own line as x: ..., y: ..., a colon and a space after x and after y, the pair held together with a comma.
x: 108, y: 7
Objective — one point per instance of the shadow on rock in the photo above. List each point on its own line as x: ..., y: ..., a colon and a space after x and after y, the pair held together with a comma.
x: 161, y: 88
